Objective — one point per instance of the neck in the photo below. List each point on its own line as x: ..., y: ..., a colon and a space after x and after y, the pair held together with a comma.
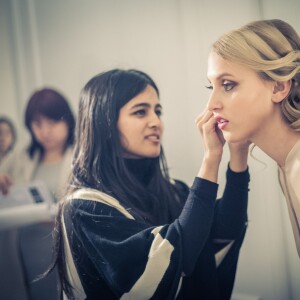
x: 142, y: 169
x: 277, y: 140
x: 53, y: 156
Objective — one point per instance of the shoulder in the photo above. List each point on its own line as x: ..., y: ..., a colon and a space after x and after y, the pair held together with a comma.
x: 180, y: 185
x: 94, y: 201
x: 79, y: 206
x: 181, y: 188
x: 68, y: 155
x: 18, y: 156
x: 66, y: 165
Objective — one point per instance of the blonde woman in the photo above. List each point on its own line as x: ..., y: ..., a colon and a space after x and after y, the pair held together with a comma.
x: 254, y: 75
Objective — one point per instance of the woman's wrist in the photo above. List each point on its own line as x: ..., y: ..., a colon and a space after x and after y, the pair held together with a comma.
x: 239, y: 160
x: 209, y: 169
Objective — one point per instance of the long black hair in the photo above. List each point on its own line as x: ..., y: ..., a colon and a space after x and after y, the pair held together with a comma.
x: 98, y: 160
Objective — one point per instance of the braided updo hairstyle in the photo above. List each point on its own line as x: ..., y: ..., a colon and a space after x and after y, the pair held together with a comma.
x: 272, y: 49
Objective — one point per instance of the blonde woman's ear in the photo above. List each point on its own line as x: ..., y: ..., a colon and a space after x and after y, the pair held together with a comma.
x: 281, y: 90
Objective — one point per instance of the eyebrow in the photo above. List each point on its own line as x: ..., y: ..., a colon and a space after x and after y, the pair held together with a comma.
x: 145, y: 105
x: 222, y: 75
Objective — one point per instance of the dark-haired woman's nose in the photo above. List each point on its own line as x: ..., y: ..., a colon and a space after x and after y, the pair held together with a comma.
x: 154, y: 120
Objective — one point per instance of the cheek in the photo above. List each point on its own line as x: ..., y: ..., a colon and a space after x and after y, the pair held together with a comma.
x: 63, y: 131
x: 35, y: 132
x: 162, y: 127
x: 125, y: 133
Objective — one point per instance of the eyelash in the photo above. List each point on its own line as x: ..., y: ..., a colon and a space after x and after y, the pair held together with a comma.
x: 227, y: 86
x: 142, y: 112
x: 159, y: 113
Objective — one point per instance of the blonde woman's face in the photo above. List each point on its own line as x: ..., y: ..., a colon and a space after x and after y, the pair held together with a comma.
x: 240, y: 100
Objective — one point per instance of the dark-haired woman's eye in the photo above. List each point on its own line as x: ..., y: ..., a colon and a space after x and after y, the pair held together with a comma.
x: 158, y: 112
x: 140, y: 112
x: 210, y: 87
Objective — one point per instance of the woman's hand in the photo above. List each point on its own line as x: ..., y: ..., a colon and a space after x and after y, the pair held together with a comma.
x: 213, y: 142
x: 5, y: 183
x: 212, y: 137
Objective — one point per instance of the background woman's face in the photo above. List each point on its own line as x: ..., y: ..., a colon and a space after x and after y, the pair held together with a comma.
x: 240, y: 99
x: 140, y: 126
x: 6, y: 137
x: 51, y: 134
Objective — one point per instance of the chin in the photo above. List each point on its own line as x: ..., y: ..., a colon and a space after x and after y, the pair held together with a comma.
x: 152, y: 155
x: 229, y: 138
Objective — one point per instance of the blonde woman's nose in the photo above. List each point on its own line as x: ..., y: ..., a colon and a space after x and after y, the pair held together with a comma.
x: 214, y: 103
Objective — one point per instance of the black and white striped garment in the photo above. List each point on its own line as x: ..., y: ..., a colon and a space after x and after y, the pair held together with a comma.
x: 112, y: 256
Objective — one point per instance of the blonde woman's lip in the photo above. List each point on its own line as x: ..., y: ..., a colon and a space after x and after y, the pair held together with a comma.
x: 221, y: 122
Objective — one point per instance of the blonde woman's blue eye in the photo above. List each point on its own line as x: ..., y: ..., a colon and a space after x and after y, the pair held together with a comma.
x: 210, y: 87
x: 228, y: 86
x: 158, y: 113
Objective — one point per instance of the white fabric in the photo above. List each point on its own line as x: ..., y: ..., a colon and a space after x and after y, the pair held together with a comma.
x: 85, y: 194
x: 22, y: 168
x: 289, y: 178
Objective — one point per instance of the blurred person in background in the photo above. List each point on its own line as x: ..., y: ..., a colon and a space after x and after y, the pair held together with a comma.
x: 25, y: 232
x: 7, y: 136
x: 50, y: 122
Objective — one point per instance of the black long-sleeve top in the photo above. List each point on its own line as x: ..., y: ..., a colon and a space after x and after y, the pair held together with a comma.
x: 117, y: 257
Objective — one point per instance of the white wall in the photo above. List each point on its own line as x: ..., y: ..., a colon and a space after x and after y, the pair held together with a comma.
x: 63, y: 43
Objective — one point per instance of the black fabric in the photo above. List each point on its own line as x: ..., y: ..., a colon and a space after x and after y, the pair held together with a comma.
x: 111, y: 252
x: 36, y: 246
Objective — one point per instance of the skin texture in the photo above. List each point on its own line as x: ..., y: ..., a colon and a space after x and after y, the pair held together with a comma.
x: 140, y: 125
x: 250, y: 107
x: 51, y: 134
x: 240, y: 97
x: 6, y: 138
x: 141, y: 131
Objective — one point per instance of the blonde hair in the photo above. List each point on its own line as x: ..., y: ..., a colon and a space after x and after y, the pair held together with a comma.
x: 272, y: 49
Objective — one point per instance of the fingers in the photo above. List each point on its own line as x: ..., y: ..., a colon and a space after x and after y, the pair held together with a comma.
x: 5, y: 183
x: 203, y: 118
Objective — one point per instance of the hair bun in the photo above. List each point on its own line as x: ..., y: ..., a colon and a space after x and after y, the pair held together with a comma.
x: 294, y: 97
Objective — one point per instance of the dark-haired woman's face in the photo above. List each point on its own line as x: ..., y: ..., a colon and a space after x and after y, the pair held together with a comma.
x: 140, y: 126
x: 6, y: 137
x: 51, y: 134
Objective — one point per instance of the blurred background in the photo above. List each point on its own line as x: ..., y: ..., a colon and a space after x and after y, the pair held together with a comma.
x: 63, y: 43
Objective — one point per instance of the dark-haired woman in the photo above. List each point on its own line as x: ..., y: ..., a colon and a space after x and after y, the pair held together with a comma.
x: 26, y: 244
x: 50, y: 122
x: 125, y: 230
